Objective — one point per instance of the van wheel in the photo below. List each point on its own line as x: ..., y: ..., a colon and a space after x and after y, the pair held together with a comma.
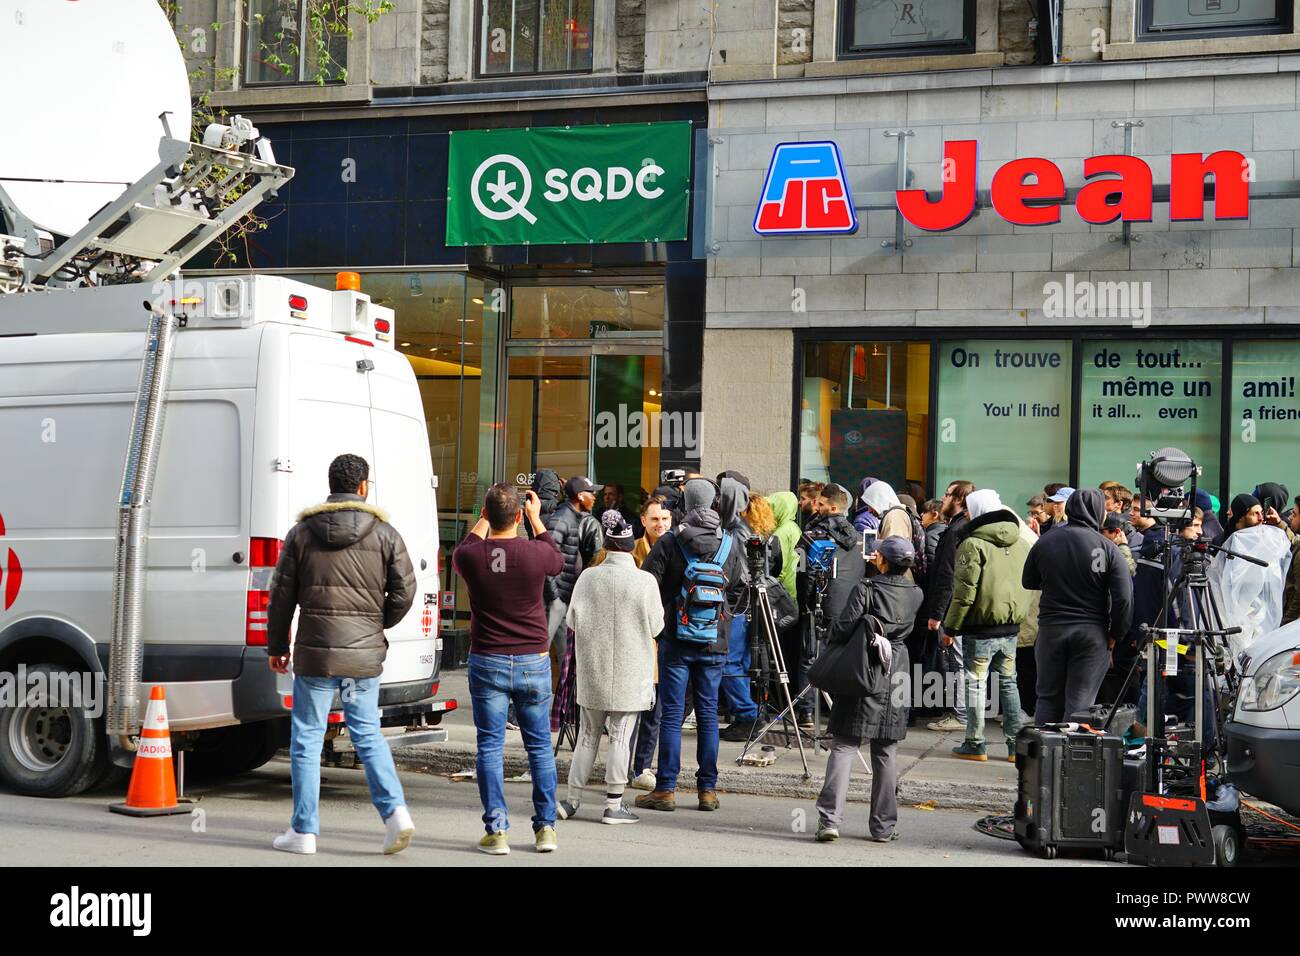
x: 230, y: 751
x: 50, y: 751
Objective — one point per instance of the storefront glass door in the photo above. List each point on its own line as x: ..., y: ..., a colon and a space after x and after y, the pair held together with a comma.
x: 585, y: 410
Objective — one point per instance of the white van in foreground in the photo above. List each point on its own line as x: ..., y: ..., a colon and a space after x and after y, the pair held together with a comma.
x: 271, y: 380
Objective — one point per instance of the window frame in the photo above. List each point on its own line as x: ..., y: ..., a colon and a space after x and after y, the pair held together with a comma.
x: 480, y: 12
x: 844, y: 50
x: 298, y: 79
x: 1146, y: 33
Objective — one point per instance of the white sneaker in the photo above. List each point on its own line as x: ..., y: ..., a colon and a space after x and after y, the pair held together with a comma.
x: 645, y: 780
x: 689, y: 722
x: 947, y: 724
x: 398, y: 830
x: 291, y: 841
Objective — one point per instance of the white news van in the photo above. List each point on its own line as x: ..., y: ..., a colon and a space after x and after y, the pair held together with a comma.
x: 271, y: 380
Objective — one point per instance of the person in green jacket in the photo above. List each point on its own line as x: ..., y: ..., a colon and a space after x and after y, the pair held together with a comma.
x: 785, y: 509
x: 989, y: 604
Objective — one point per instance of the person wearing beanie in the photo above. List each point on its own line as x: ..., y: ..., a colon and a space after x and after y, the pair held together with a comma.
x: 614, y: 613
x: 989, y: 603
x: 879, y: 718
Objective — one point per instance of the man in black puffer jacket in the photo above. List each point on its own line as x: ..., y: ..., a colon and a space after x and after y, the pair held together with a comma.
x: 346, y: 570
x: 578, y: 536
x: 1086, y: 607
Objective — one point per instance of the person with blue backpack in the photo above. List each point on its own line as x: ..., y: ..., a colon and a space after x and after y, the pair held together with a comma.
x: 702, y: 577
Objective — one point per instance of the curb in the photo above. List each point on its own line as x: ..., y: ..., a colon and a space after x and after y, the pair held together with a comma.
x: 447, y: 759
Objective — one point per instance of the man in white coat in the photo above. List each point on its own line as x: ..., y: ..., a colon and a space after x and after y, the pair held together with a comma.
x: 615, y: 613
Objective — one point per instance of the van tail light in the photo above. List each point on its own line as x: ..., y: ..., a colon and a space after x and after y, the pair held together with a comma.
x: 383, y: 326
x: 263, y: 553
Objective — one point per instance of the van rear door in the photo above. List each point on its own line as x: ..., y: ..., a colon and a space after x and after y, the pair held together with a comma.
x: 403, y: 486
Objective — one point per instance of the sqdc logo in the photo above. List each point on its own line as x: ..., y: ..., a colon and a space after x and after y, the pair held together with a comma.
x: 502, y: 186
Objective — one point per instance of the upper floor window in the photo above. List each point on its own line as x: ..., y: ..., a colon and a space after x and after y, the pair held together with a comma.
x: 1174, y: 19
x: 906, y: 27
x: 295, y: 41
x: 534, y: 36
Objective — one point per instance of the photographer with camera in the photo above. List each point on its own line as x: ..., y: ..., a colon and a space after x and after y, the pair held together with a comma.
x: 1086, y: 606
x: 824, y: 592
x: 880, y: 717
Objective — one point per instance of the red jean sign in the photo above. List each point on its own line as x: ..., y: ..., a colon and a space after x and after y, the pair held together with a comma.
x: 1126, y: 194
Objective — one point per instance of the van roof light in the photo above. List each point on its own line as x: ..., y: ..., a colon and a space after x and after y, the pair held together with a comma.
x: 347, y: 282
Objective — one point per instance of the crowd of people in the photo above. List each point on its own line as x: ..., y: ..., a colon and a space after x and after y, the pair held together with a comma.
x: 644, y: 619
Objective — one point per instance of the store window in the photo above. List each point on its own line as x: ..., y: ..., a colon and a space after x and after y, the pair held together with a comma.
x: 1264, y: 431
x: 295, y: 41
x: 1175, y: 19
x: 535, y: 36
x: 865, y: 411
x: 1003, y: 415
x: 586, y: 311
x: 906, y: 27
x: 1141, y: 395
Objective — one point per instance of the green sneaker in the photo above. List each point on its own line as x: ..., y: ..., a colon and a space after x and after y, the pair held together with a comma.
x: 1011, y: 750
x: 494, y: 844
x: 970, y: 751
x: 826, y: 834
x: 546, y: 840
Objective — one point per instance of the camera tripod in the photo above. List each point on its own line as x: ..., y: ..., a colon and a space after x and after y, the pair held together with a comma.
x: 1192, y: 596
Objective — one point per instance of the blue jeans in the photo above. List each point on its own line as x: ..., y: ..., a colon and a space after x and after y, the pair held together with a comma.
x: 679, y: 663
x: 495, y: 682
x: 999, y: 655
x: 735, y: 688
x: 312, y: 697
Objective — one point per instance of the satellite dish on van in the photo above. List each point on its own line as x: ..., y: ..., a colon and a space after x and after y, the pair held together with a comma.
x: 82, y: 84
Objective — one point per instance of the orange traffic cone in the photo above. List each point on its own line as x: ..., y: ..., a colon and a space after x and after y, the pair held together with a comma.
x: 153, y: 779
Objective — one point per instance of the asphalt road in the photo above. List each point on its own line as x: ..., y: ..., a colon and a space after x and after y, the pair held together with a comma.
x: 236, y: 820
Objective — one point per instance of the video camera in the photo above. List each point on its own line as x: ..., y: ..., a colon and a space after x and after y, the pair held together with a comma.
x: 818, y: 550
x: 1160, y: 483
x: 673, y: 476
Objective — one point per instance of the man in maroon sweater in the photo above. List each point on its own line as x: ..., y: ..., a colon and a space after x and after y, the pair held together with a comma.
x: 504, y: 574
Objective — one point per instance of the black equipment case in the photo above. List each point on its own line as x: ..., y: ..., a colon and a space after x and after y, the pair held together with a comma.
x: 1072, y: 792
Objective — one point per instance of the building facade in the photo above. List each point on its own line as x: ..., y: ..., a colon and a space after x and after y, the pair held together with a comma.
x: 1006, y: 353
x: 850, y: 342
x: 519, y: 183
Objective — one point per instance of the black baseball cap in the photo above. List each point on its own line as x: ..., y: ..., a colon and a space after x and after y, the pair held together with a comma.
x: 1113, y: 522
x: 578, y: 484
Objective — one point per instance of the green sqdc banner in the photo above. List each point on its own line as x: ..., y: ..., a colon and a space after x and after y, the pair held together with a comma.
x: 628, y: 182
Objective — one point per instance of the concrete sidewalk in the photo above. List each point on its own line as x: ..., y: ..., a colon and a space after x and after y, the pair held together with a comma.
x: 927, y: 771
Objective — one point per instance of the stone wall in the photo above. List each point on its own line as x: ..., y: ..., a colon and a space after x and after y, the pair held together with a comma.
x: 630, y: 49
x: 747, y: 383
x: 794, y: 32
x: 434, y: 20
x: 1014, y: 40
x: 677, y: 34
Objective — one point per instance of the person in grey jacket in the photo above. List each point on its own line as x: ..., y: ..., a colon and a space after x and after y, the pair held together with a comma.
x: 615, y: 613
x: 346, y: 571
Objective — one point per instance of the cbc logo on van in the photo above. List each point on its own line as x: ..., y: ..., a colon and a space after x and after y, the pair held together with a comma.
x: 11, y: 571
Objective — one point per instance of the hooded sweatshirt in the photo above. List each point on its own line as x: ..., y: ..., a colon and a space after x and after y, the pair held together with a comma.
x: 732, y: 502
x: 700, y: 535
x: 864, y: 520
x: 785, y: 508
x: 1083, y: 576
x: 988, y: 598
